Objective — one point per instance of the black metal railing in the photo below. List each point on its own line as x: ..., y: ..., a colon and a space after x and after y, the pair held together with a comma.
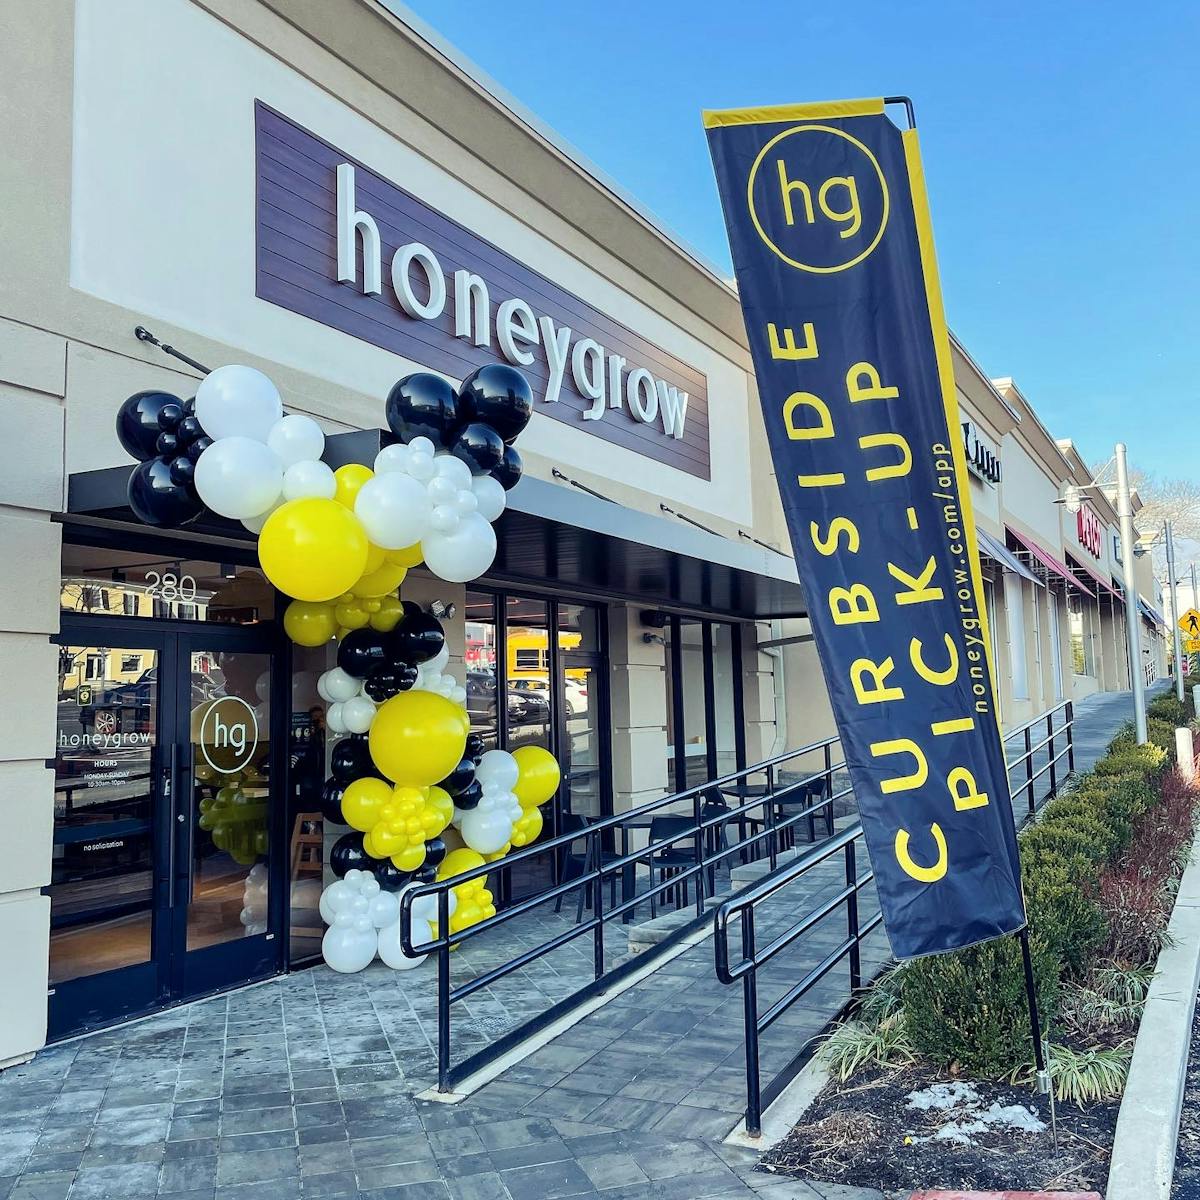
x: 1058, y: 724
x: 779, y: 809
x: 1058, y: 743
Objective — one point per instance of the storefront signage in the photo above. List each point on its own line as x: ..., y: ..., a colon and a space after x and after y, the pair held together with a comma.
x: 1090, y: 531
x: 982, y: 461
x: 227, y: 733
x: 828, y: 223
x: 349, y: 248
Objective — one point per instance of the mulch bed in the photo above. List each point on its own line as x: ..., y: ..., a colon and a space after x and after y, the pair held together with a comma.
x: 864, y: 1133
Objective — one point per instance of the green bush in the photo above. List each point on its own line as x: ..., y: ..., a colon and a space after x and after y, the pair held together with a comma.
x: 969, y: 1007
x: 1060, y: 907
x: 1085, y: 836
x: 1161, y: 733
x: 1146, y: 762
x: 1167, y: 708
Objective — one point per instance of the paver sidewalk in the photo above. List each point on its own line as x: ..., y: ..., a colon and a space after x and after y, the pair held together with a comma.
x: 306, y: 1085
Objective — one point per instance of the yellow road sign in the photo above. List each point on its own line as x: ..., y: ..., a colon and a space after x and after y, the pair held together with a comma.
x: 1191, y: 645
x: 1190, y: 623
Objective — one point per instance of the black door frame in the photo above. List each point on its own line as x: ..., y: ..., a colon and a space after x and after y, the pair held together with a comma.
x: 174, y: 975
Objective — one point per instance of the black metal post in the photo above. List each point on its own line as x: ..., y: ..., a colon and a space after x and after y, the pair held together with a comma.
x: 852, y: 918
x: 1050, y: 748
x: 144, y: 335
x: 443, y: 1047
x: 769, y: 819
x: 698, y: 853
x: 1029, y: 770
x: 829, y: 788
x: 1035, y: 1024
x: 1071, y: 737
x: 750, y: 1021
x: 597, y: 906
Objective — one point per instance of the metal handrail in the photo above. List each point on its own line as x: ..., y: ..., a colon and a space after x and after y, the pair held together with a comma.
x: 704, y: 862
x: 743, y: 906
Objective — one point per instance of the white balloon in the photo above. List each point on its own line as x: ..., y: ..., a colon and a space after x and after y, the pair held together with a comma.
x: 385, y: 909
x: 296, y: 438
x: 308, y: 478
x: 462, y: 555
x: 354, y: 877
x: 486, y: 831
x: 422, y: 445
x: 348, y: 948
x: 392, y: 458
x: 322, y: 690
x: 394, y: 510
x: 444, y: 518
x: 425, y: 908
x: 452, y: 468
x: 262, y: 687
x: 237, y: 401
x: 439, y: 661
x: 239, y: 477
x: 357, y: 714
x: 490, y: 496
x: 341, y: 685
x: 255, y: 524
x: 459, y: 695
x: 441, y: 490
x: 420, y: 465
x: 392, y: 952
x: 465, y: 502
x: 499, y: 768
x: 333, y: 718
x: 334, y: 899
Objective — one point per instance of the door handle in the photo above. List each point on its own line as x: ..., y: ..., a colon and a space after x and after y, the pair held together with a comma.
x: 171, y: 791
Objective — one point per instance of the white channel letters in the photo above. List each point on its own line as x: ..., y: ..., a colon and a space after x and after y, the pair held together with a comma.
x: 599, y: 375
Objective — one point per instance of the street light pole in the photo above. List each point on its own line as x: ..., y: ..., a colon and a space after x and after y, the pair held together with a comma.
x: 1132, y: 628
x: 1175, y: 617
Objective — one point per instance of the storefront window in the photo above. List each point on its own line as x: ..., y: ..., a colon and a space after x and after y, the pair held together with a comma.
x: 1082, y: 655
x: 724, y: 711
x: 481, y: 679
x: 131, y: 583
x: 527, y: 637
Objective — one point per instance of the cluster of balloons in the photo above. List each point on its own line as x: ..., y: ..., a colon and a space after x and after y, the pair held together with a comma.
x: 421, y: 797
x: 237, y: 821
x: 254, y: 900
x: 364, y: 921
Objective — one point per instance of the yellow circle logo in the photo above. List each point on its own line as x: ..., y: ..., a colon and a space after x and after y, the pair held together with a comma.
x: 818, y: 198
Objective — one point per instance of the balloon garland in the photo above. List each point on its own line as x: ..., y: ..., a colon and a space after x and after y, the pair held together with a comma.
x: 422, y: 798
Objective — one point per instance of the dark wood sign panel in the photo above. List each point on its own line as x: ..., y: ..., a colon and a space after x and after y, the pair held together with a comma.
x: 296, y: 238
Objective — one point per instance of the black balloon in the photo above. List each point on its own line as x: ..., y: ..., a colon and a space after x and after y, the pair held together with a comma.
x: 475, y: 747
x: 508, y: 472
x: 348, y: 855
x: 470, y: 796
x: 157, y: 499
x: 189, y: 430
x: 167, y: 445
x: 479, y: 446
x: 361, y: 651
x: 461, y: 777
x: 331, y: 800
x: 351, y: 759
x: 499, y: 396
x: 198, y: 447
x: 137, y: 422
x: 435, y: 851
x: 389, y: 876
x: 183, y: 470
x: 417, y: 639
x: 169, y: 417
x: 426, y: 875
x: 423, y: 405
x: 384, y: 682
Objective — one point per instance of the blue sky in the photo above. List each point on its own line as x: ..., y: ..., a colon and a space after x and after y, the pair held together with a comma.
x: 1061, y: 146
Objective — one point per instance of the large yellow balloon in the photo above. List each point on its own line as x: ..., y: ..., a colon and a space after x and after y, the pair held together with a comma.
x: 309, y: 624
x: 312, y: 549
x: 409, y: 556
x: 539, y: 775
x: 418, y: 738
x: 379, y: 582
x: 439, y: 800
x: 458, y: 861
x: 348, y: 482
x: 363, y: 800
x: 527, y: 826
x: 387, y: 616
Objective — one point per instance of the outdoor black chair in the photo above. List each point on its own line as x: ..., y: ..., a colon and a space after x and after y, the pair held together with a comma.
x: 716, y: 842
x: 673, y: 858
x: 574, y: 866
x: 801, y: 796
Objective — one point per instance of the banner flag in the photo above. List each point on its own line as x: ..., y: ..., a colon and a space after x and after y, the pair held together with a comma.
x: 829, y: 227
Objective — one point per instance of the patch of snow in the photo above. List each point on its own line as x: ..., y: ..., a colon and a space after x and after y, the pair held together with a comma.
x: 974, y: 1121
x: 942, y: 1096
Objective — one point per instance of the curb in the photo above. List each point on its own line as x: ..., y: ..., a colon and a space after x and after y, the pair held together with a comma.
x: 1005, y: 1196
x: 1143, y: 1154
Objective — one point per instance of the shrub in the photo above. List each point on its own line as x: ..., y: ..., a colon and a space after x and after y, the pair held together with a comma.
x: 854, y: 1044
x: 969, y: 1007
x: 1166, y: 708
x: 1085, y: 1076
x: 1085, y: 836
x: 1061, y: 908
x: 1145, y: 762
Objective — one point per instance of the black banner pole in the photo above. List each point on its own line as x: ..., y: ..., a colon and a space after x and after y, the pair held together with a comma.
x: 1035, y: 1024
x: 144, y: 335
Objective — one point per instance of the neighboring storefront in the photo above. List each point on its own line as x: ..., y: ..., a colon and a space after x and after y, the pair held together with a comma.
x: 338, y: 200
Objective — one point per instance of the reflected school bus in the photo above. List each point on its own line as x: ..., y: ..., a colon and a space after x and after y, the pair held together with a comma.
x: 528, y: 665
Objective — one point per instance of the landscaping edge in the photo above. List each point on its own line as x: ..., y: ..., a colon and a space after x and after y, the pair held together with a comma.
x: 1143, y: 1153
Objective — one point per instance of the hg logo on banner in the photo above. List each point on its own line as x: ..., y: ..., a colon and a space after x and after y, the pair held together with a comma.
x: 828, y: 224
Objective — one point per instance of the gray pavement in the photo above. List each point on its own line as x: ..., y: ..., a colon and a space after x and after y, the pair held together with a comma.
x: 307, y: 1085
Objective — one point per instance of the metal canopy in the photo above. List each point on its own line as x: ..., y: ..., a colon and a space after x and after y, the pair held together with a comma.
x: 550, y: 537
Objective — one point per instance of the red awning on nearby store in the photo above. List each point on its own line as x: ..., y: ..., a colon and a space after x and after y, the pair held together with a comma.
x: 1104, y: 583
x: 1049, y: 561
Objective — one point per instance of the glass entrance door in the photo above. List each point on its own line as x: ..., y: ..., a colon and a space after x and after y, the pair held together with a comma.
x: 164, y: 819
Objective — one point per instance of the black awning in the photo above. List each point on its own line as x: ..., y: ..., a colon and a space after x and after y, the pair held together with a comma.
x: 551, y: 537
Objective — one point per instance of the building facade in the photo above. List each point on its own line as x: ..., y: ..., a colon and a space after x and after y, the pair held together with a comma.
x: 338, y: 199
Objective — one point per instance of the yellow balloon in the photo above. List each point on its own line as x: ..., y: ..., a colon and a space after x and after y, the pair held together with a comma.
x: 362, y: 801
x: 440, y: 802
x: 387, y: 616
x: 348, y: 481
x: 407, y: 556
x: 312, y: 549
x: 370, y: 847
x: 376, y: 557
x: 418, y: 738
x: 458, y: 861
x: 539, y: 775
x: 527, y: 826
x: 351, y: 616
x: 309, y: 624
x: 496, y: 855
x: 411, y: 858
x: 386, y: 578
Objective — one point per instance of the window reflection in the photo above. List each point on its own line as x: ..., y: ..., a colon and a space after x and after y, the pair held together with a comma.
x: 480, y: 663
x: 527, y: 637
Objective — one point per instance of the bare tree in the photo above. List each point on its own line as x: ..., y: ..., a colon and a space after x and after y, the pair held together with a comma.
x: 1174, y: 500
